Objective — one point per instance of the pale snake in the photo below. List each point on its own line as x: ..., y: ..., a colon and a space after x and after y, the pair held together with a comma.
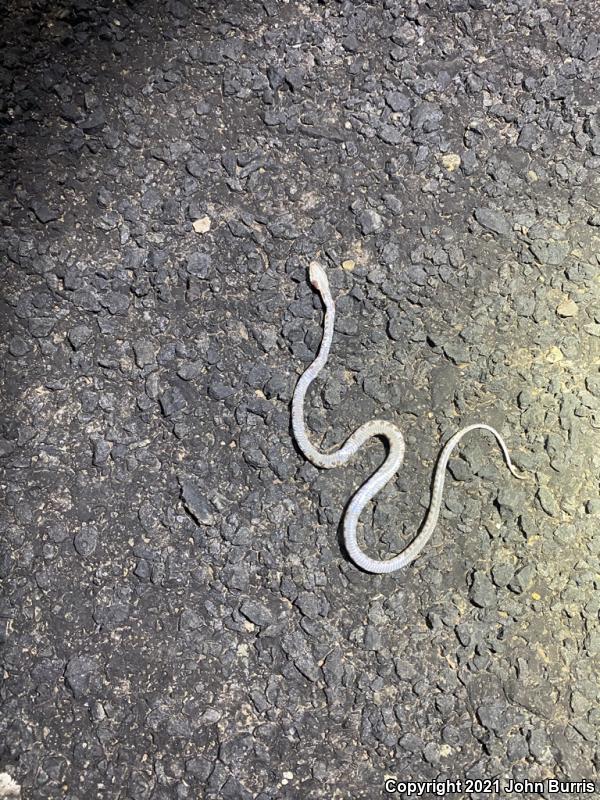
x: 354, y: 442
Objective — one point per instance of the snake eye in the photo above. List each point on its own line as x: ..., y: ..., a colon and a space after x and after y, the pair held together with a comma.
x: 317, y: 275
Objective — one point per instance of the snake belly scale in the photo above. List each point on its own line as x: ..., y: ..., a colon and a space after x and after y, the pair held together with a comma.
x: 375, y: 428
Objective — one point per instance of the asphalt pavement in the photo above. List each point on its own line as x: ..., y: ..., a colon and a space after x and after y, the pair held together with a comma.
x: 179, y: 618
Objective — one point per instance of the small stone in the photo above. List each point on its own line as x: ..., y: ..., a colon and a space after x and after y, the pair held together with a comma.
x: 538, y: 743
x: 102, y: 450
x: 190, y: 620
x: 82, y: 675
x: 528, y: 136
x: 491, y: 716
x: 275, y: 76
x: 593, y: 329
x: 389, y: 134
x: 554, y: 355
x: 483, y: 593
x: 370, y: 221
x: 142, y: 569
x: 94, y: 122
x: 86, y: 540
x: 172, y: 401
x: 116, y: 302
x: 591, y: 48
x: 502, y: 574
x: 492, y: 220
x: 150, y: 199
x: 9, y: 789
x: 283, y: 227
x: 6, y: 447
x: 351, y: 43
x: 427, y: 117
x: 535, y: 697
x: 397, y: 101
x: 57, y: 531
x: 190, y: 370
x: 393, y: 204
x: 309, y: 605
x: 220, y: 391
x: 79, y: 335
x: 200, y: 768
x: 112, y: 607
x: 522, y: 580
x: 295, y: 78
x: 593, y: 506
x: 202, y: 225
x: 373, y: 639
x: 145, y: 352
x: 451, y: 161
x: 195, y: 503
x: 18, y: 346
x: 548, y: 502
x: 567, y: 308
x: 550, y: 252
x: 592, y: 383
x: 257, y: 613
x: 198, y: 265
x: 43, y: 212
x: 40, y: 327
x: 348, y: 265
x: 196, y: 168
x: 411, y: 742
x: 86, y: 300
x: 517, y: 748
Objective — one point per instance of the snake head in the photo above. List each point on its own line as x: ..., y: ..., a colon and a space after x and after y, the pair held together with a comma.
x: 318, y: 276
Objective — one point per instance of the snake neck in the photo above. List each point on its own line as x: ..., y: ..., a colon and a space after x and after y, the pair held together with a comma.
x: 327, y: 338
x: 317, y: 457
x: 317, y: 365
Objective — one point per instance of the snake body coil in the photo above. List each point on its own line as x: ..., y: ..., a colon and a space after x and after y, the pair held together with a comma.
x: 392, y: 463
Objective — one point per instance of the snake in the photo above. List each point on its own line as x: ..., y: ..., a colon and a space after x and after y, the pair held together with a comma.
x: 379, y: 428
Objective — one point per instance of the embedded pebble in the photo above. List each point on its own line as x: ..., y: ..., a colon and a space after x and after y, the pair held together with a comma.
x: 567, y: 308
x: 202, y: 225
x: 86, y: 540
x: 492, y: 220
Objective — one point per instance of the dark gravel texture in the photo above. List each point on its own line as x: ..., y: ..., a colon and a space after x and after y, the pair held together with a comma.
x: 179, y: 619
